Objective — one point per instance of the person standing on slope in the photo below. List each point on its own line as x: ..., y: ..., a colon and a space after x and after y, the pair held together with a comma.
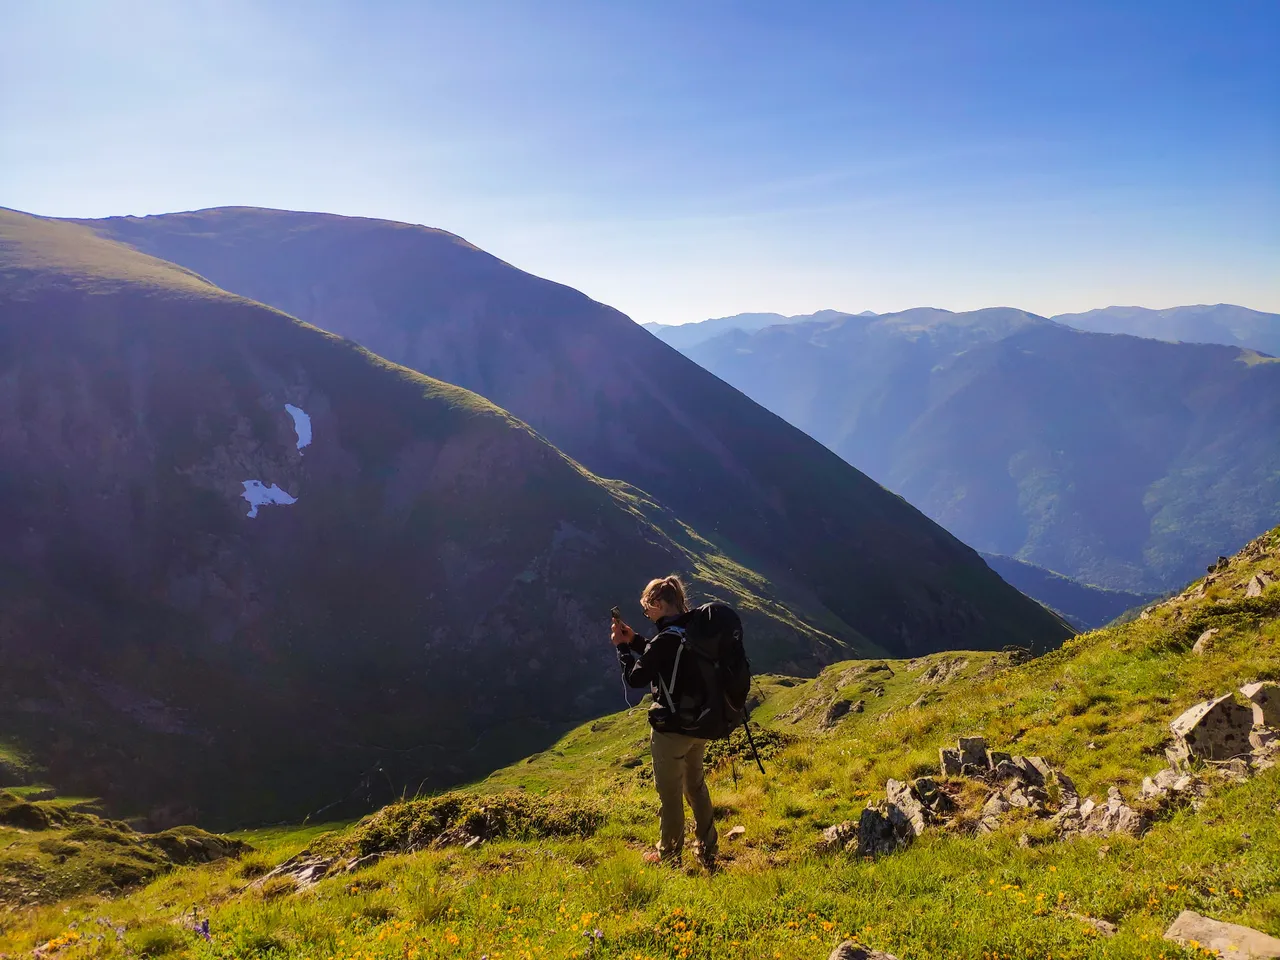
x: 677, y: 757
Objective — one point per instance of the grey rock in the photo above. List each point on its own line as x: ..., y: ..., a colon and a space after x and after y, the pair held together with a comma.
x: 973, y: 752
x: 835, y: 837
x: 1265, y: 698
x: 997, y: 757
x: 876, y: 834
x: 1032, y: 770
x: 1258, y: 583
x: 736, y: 832
x: 949, y: 762
x: 1007, y: 770
x: 1205, y: 643
x: 856, y: 951
x: 906, y: 812
x: 936, y: 803
x: 1231, y: 940
x: 1087, y: 808
x: 1066, y: 787
x: 1114, y: 816
x: 858, y: 706
x: 1215, y: 729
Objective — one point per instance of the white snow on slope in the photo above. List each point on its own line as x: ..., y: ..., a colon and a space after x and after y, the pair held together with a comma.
x: 301, y: 424
x: 260, y: 495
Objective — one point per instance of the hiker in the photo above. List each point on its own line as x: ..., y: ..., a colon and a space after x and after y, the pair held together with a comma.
x: 677, y: 756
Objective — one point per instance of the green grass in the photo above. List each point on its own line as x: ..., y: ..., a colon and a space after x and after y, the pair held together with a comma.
x: 1099, y: 708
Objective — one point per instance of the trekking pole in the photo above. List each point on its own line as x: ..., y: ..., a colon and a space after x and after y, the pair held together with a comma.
x: 754, y: 752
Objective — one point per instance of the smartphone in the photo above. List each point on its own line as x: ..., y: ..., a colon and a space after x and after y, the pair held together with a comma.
x: 617, y: 614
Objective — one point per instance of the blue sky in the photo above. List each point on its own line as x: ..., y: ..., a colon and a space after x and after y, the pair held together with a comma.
x: 694, y: 159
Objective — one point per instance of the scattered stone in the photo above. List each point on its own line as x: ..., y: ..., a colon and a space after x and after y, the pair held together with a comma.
x: 949, y: 761
x: 1006, y: 770
x: 1067, y: 791
x: 305, y: 870
x: 1214, y: 730
x: 1231, y: 940
x: 1103, y: 927
x: 1205, y: 643
x: 856, y: 951
x: 997, y: 757
x: 1087, y: 808
x: 737, y: 831
x: 1236, y: 770
x: 1265, y: 697
x: 858, y: 706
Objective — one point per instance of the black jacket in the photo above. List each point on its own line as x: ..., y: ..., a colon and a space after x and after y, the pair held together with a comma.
x: 651, y: 663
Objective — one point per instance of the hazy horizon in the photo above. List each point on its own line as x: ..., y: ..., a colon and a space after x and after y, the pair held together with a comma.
x: 682, y: 164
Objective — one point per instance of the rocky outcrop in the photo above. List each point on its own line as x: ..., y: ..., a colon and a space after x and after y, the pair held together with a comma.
x: 1216, y: 729
x: 1230, y: 941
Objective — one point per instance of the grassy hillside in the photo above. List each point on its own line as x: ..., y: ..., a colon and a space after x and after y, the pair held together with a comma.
x: 1118, y: 461
x: 561, y: 874
x: 429, y: 601
x: 622, y: 403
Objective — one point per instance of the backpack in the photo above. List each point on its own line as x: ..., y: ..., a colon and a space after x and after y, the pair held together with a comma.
x: 714, y: 703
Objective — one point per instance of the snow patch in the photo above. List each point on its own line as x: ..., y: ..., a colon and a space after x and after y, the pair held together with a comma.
x: 260, y: 495
x: 301, y: 424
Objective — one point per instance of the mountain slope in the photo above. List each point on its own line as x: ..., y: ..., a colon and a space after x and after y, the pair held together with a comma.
x: 1222, y: 323
x: 1085, y: 606
x: 1118, y: 461
x: 246, y: 564
x: 558, y: 867
x: 622, y: 403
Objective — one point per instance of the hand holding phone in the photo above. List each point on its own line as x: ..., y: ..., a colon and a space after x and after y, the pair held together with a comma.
x: 619, y: 633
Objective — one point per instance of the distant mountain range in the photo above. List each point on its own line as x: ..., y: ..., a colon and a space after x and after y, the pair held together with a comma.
x: 249, y: 569
x: 1119, y: 461
x: 1221, y: 323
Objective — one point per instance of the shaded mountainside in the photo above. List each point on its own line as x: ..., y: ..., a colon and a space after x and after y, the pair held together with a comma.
x: 1222, y: 323
x: 246, y: 565
x: 546, y: 853
x: 620, y: 402
x: 1115, y: 460
x: 1085, y: 606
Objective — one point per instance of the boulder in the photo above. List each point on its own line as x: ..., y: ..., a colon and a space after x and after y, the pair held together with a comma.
x: 906, y: 812
x: 1258, y: 583
x: 949, y: 762
x: 973, y: 752
x: 856, y: 951
x: 876, y: 834
x: 1033, y: 771
x: 1214, y: 730
x: 1265, y: 698
x: 1205, y: 643
x: 1231, y: 940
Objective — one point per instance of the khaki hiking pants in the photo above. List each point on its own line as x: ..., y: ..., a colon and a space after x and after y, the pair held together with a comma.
x: 678, y: 775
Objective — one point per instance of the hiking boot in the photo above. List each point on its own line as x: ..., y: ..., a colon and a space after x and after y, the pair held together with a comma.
x: 707, y: 857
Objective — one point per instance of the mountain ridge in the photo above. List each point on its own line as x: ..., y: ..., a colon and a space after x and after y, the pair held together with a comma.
x: 611, y: 396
